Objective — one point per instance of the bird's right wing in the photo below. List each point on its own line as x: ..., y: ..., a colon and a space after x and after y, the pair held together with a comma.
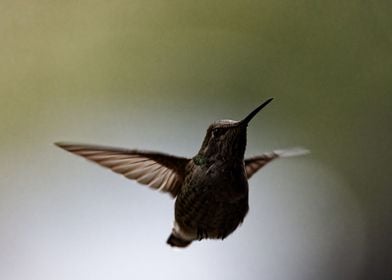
x: 159, y: 171
x: 253, y: 164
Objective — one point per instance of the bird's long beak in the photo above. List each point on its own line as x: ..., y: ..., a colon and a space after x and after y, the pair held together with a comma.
x: 248, y: 118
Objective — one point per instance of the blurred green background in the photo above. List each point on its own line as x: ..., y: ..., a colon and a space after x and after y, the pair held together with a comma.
x: 153, y: 75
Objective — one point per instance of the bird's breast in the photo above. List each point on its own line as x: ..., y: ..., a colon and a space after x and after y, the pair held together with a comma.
x: 214, y: 198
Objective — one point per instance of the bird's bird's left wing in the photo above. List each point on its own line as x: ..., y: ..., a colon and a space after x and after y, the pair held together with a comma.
x: 253, y: 164
x: 157, y: 170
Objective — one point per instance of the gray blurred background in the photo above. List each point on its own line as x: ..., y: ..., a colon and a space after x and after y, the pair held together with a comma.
x: 153, y: 75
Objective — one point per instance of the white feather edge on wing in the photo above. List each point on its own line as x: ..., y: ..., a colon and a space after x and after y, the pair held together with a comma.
x: 292, y: 152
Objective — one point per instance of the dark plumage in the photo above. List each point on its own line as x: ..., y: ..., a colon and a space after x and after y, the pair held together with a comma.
x: 211, y: 189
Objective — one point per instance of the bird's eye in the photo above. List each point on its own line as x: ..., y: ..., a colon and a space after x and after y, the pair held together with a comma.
x: 216, y: 132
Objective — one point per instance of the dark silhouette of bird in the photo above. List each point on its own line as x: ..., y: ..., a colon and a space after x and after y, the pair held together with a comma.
x: 211, y: 189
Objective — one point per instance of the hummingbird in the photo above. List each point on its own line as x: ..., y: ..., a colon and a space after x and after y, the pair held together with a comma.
x: 210, y: 189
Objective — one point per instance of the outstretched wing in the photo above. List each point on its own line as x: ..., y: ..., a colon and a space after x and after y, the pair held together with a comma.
x: 253, y: 164
x: 159, y: 171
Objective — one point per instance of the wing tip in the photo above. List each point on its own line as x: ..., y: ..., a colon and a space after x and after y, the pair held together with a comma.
x: 60, y: 144
x: 292, y: 152
x: 63, y: 145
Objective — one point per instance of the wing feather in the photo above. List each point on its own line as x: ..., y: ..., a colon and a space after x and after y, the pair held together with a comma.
x: 157, y: 170
x: 253, y: 164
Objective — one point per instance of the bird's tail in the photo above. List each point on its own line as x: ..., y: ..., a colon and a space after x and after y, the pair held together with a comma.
x: 176, y: 241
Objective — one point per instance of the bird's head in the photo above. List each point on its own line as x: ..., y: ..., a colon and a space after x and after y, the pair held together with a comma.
x: 227, y: 138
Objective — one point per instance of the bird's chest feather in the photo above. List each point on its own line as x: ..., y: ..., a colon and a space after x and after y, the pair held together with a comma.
x: 222, y: 181
x: 214, y: 198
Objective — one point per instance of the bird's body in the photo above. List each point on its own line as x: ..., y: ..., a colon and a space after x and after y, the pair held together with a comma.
x: 213, y: 200
x: 211, y: 189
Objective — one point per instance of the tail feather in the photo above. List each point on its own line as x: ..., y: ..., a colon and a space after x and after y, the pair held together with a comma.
x: 175, y: 241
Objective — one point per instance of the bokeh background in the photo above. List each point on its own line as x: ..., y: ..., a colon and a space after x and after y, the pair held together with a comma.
x: 153, y: 75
